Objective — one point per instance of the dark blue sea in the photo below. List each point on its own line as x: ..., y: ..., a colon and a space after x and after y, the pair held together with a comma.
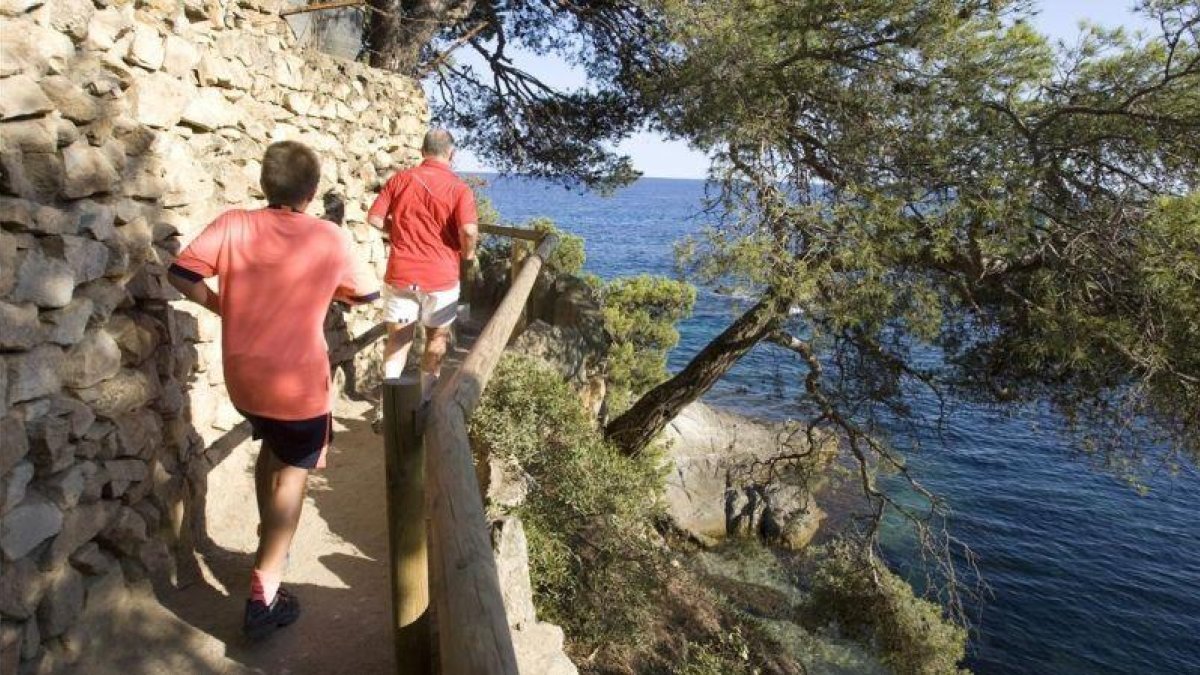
x: 1086, y: 576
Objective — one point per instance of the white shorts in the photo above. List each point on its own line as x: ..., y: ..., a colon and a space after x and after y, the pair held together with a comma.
x: 435, y: 309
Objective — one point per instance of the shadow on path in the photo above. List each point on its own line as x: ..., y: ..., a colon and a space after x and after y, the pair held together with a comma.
x: 338, y: 569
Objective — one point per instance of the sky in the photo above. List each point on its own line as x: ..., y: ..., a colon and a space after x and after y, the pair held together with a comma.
x: 659, y: 157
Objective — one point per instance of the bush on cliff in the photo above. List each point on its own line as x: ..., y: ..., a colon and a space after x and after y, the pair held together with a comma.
x: 568, y: 256
x: 867, y: 602
x: 589, y: 509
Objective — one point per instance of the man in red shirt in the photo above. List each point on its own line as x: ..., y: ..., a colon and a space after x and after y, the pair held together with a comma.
x: 429, y: 215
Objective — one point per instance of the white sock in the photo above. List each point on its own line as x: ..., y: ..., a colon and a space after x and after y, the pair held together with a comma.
x: 427, y: 382
x: 392, y: 369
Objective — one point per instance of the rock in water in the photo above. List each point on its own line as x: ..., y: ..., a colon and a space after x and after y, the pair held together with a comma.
x: 718, y: 484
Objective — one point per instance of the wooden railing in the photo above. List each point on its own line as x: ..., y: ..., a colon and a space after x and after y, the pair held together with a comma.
x: 459, y: 574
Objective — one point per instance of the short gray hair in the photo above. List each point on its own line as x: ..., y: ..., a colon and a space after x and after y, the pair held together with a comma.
x: 437, y: 143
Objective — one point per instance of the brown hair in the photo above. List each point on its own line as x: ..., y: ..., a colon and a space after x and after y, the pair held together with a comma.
x: 290, y: 173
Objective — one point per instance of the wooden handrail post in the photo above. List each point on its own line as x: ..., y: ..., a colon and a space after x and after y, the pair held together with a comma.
x: 520, y: 251
x: 474, y: 637
x: 405, y: 459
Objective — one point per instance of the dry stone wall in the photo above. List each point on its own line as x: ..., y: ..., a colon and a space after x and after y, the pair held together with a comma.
x: 124, y: 128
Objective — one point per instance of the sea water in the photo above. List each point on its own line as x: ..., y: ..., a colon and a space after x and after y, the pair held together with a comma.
x: 1086, y: 576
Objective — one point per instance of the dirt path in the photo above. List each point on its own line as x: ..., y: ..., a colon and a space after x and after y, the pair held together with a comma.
x: 338, y: 569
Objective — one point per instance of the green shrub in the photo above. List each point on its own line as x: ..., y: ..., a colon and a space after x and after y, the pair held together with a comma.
x: 640, y: 314
x: 569, y: 256
x: 867, y: 602
x: 589, y: 509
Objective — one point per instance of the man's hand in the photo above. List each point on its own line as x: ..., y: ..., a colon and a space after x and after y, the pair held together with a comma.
x: 468, y: 270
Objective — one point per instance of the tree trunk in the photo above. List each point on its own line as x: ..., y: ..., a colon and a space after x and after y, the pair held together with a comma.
x: 638, y: 426
x: 399, y: 30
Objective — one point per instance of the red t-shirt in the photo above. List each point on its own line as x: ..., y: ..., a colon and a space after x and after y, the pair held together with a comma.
x: 427, y: 204
x: 277, y: 271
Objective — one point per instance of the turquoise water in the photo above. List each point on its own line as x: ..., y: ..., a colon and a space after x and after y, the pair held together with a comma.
x: 1086, y: 576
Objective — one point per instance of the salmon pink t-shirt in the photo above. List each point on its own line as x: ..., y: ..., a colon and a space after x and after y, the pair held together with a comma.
x: 277, y: 270
x: 428, y: 205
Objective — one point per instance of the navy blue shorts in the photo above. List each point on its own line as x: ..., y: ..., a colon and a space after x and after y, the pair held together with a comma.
x: 296, y: 443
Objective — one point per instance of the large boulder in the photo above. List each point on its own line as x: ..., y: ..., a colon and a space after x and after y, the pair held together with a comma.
x: 726, y: 478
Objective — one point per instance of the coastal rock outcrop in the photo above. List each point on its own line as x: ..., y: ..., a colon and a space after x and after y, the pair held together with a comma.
x: 733, y: 476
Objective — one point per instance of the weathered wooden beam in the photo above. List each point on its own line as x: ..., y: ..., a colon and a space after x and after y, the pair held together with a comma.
x: 474, y: 636
x: 405, y: 469
x: 514, y: 232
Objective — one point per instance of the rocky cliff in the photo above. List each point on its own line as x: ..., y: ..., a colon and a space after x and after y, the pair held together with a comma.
x: 124, y: 128
x: 727, y: 475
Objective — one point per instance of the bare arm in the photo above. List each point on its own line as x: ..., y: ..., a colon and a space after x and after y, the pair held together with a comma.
x: 198, y: 292
x: 377, y: 222
x: 468, y: 237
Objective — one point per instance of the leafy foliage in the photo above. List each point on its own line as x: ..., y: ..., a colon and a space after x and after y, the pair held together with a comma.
x: 640, y: 314
x: 865, y: 601
x: 598, y: 566
x: 569, y: 256
x: 508, y: 116
x: 589, y: 509
x: 957, y: 205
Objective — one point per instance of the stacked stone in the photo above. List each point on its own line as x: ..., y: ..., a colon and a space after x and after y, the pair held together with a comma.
x: 124, y: 128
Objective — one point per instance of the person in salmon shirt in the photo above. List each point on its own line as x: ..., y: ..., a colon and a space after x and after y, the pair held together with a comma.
x: 277, y: 271
x: 430, y: 219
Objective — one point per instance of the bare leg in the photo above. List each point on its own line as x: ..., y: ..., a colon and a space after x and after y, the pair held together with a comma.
x: 395, y: 352
x: 437, y: 341
x: 281, y: 511
x: 264, y: 484
x: 436, y: 344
